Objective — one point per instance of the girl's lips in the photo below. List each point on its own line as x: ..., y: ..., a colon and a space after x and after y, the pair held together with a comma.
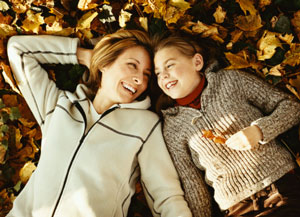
x: 170, y: 84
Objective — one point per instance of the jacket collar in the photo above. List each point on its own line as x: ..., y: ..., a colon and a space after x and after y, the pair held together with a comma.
x: 82, y: 91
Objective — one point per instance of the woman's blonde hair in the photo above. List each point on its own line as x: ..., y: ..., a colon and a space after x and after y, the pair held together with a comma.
x: 109, y: 48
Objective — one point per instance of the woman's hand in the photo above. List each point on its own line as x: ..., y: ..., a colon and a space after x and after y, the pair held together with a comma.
x: 84, y: 56
x: 245, y: 139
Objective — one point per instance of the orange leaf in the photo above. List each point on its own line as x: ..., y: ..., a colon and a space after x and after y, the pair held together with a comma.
x: 219, y: 139
x: 207, y: 134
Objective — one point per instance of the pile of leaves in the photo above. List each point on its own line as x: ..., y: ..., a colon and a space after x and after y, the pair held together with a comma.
x: 259, y: 36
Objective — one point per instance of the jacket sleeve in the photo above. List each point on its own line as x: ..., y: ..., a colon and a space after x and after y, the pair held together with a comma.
x: 195, y: 189
x: 159, y: 178
x: 26, y: 54
x: 281, y: 110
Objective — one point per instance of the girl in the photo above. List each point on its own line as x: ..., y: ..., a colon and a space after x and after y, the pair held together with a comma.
x: 97, y: 140
x: 250, y: 173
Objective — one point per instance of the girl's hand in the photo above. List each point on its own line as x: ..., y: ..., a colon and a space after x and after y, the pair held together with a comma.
x: 245, y: 139
x: 84, y: 56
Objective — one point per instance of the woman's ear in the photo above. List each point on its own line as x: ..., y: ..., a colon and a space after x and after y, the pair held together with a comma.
x: 198, y: 62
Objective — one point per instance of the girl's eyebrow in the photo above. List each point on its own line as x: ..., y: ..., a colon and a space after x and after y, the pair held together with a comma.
x: 167, y: 60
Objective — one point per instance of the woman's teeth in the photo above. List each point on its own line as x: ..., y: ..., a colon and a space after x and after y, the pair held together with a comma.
x: 128, y: 87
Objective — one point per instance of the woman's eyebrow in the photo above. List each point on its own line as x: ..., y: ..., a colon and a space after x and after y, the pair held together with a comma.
x: 134, y: 60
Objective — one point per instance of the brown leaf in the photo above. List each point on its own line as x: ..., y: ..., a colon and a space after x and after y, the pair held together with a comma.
x: 247, y: 6
x: 296, y: 23
x: 10, y: 100
x: 26, y: 171
x: 2, y: 153
x: 207, y: 134
x: 219, y: 14
x: 250, y: 22
x: 267, y: 45
x: 237, y: 61
x: 5, y: 19
x: 219, y: 139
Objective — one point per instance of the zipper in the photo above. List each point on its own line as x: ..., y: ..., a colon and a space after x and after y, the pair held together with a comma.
x: 78, y: 106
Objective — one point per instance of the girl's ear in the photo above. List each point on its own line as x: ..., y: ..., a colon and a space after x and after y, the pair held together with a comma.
x: 198, y: 61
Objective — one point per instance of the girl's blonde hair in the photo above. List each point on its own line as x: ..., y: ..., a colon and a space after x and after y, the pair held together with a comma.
x: 109, y: 48
x: 187, y: 46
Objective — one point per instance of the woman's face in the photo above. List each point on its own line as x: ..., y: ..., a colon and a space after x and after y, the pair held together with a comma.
x: 177, y: 74
x: 127, y: 77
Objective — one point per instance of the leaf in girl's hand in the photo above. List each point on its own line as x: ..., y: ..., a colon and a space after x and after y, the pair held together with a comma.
x: 219, y: 139
x: 207, y: 134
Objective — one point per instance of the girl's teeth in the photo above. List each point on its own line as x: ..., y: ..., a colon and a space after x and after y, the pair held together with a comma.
x: 170, y: 84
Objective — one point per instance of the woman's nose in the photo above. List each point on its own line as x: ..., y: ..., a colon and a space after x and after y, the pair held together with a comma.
x: 137, y: 79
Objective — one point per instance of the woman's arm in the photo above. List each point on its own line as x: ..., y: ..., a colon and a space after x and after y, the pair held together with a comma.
x: 159, y: 178
x: 26, y: 54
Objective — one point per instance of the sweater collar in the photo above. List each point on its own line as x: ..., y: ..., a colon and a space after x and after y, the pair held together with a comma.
x: 192, y: 99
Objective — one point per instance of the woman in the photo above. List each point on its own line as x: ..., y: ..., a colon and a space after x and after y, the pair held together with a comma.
x: 250, y: 173
x: 97, y: 140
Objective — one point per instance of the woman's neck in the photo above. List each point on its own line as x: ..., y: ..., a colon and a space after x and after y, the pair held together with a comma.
x: 101, y: 103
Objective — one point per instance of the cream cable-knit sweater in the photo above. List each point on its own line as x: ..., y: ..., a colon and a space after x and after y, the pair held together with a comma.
x: 231, y: 101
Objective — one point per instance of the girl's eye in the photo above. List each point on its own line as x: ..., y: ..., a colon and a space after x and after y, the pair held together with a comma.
x: 170, y: 65
x: 157, y: 73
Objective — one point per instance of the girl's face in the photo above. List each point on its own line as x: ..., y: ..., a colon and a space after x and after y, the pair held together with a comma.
x: 127, y: 77
x: 177, y: 74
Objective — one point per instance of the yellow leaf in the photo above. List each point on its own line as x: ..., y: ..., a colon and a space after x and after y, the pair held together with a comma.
x: 3, y: 6
x: 276, y: 70
x: 7, y: 75
x: 26, y: 171
x: 295, y: 83
x: 247, y: 6
x: 2, y: 153
x: 237, y: 61
x: 32, y: 22
x: 172, y: 15
x: 292, y: 57
x: 144, y: 22
x: 292, y: 89
x: 264, y: 3
x: 180, y: 4
x: 296, y: 23
x: 18, y: 136
x: 250, y: 22
x: 7, y: 30
x: 5, y: 19
x: 86, y: 4
x: 123, y: 18
x: 27, y: 123
x: 267, y: 45
x: 85, y: 21
x: 288, y: 38
x: 219, y: 15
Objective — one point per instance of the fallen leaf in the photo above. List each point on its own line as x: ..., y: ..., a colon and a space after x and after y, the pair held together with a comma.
x: 296, y: 23
x: 292, y: 57
x: 7, y: 30
x: 26, y: 171
x: 250, y: 22
x: 267, y: 45
x: 247, y: 6
x: 87, y: 4
x: 7, y: 19
x: 264, y: 3
x: 3, y: 6
x: 124, y: 17
x: 32, y: 22
x: 276, y: 70
x: 207, y: 134
x: 219, y: 14
x: 3, y: 150
x: 144, y: 23
x: 85, y: 21
x: 237, y: 61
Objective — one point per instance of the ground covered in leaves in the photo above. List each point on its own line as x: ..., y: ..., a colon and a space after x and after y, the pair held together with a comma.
x: 259, y: 36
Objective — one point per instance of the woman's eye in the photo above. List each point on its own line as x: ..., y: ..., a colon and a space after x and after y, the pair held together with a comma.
x: 132, y: 65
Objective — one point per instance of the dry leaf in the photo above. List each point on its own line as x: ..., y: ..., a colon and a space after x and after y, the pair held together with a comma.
x: 296, y: 23
x: 123, y: 18
x: 144, y: 23
x: 247, y: 6
x: 3, y: 6
x: 276, y: 70
x: 267, y: 45
x: 85, y: 21
x: 32, y: 22
x: 26, y: 171
x: 237, y: 61
x: 264, y: 3
x: 2, y: 153
x: 87, y: 4
x: 292, y: 57
x: 7, y: 30
x: 251, y: 22
x: 219, y: 15
x: 295, y: 83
